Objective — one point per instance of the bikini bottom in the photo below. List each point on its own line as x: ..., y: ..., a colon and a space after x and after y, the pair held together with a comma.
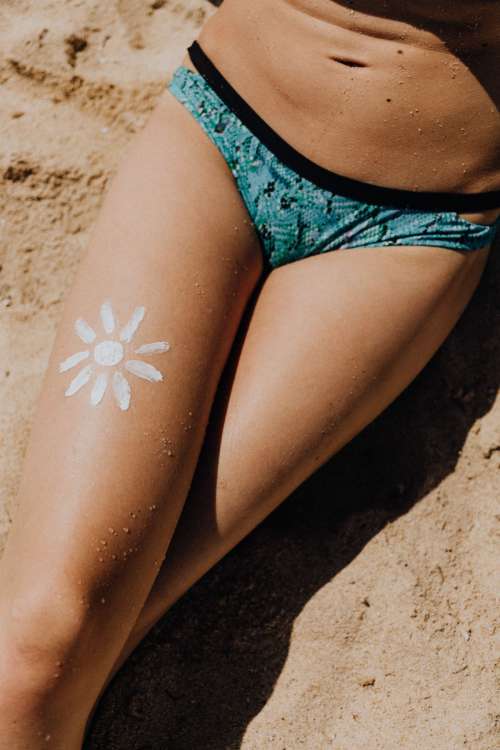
x: 299, y: 208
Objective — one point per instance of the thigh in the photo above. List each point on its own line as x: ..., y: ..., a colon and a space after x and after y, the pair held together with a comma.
x: 144, y: 333
x: 331, y: 341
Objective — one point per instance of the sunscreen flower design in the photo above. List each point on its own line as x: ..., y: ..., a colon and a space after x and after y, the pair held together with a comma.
x: 110, y: 353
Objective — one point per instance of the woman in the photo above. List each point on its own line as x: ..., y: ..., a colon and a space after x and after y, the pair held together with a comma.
x: 336, y: 165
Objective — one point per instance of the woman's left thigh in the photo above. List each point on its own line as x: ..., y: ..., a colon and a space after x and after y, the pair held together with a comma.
x: 331, y: 341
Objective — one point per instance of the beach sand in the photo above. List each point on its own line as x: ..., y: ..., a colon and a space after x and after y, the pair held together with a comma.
x: 361, y: 614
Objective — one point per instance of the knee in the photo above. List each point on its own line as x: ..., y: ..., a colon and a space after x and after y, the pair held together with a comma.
x: 40, y: 632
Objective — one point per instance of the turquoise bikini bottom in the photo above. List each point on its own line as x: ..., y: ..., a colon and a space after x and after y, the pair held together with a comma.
x: 299, y: 208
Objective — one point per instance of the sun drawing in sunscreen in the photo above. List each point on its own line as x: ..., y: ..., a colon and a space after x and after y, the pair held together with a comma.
x: 108, y: 357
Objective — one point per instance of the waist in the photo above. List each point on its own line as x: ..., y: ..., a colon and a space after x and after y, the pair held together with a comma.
x: 388, y: 111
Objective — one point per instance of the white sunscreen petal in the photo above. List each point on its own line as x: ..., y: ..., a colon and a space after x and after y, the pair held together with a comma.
x: 121, y: 389
x: 143, y: 370
x: 99, y: 388
x: 156, y: 346
x: 131, y: 327
x: 85, y: 332
x: 70, y: 362
x: 80, y: 380
x: 107, y: 317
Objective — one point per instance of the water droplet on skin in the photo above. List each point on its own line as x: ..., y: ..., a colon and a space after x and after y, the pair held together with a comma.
x: 152, y: 507
x: 114, y: 557
x: 47, y: 737
x: 132, y: 515
x: 104, y: 542
x: 170, y: 453
x: 111, y: 531
x: 126, y: 530
x: 130, y: 549
x: 103, y: 600
x: 101, y: 559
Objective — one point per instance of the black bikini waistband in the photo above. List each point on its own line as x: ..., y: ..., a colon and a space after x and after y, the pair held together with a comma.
x: 324, y: 178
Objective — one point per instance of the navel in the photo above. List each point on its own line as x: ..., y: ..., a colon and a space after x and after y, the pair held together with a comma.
x: 349, y: 63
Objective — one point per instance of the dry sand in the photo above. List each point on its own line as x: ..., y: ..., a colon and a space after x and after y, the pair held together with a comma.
x: 361, y: 615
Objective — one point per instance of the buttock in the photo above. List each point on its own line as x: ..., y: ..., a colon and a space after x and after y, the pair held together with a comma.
x: 299, y: 208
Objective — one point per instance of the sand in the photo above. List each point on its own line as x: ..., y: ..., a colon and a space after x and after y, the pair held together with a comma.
x: 361, y: 614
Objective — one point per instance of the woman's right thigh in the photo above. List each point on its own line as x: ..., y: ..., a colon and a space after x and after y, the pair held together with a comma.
x: 144, y: 334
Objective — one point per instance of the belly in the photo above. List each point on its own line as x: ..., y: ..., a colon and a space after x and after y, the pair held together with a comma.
x: 396, y: 100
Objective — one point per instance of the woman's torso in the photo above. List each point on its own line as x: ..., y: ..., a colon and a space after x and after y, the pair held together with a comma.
x: 420, y: 109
